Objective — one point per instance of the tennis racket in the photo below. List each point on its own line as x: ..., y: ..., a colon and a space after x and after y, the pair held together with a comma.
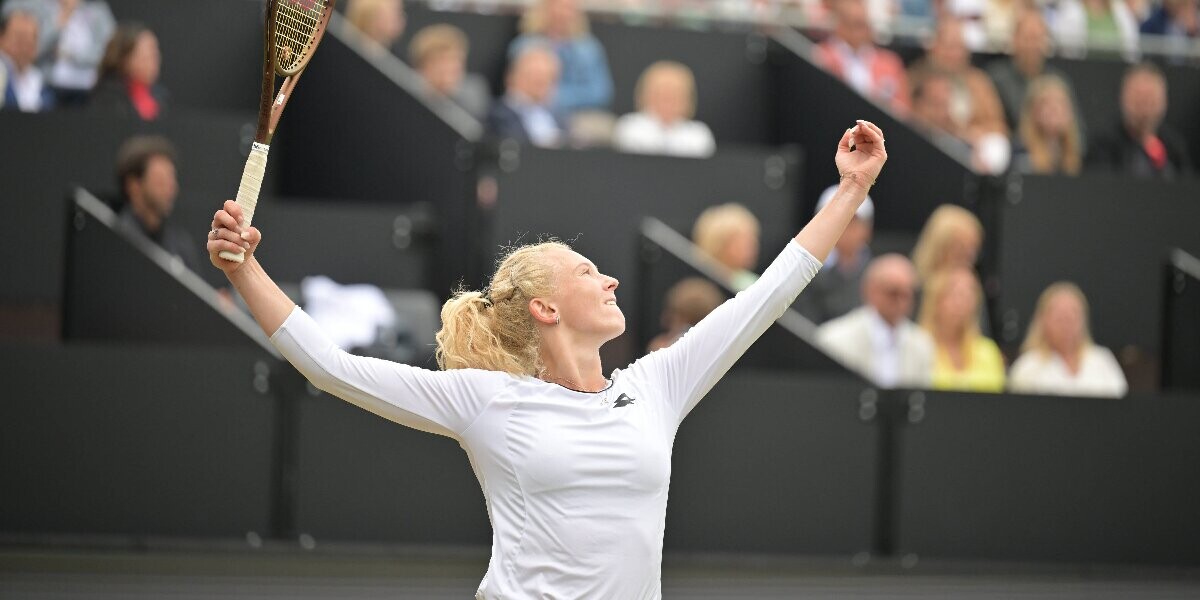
x: 293, y: 30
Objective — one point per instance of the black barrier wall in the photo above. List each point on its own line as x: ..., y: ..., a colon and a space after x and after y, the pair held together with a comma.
x: 1024, y: 478
x: 136, y: 441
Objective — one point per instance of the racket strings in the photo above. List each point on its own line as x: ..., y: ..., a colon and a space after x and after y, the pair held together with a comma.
x: 296, y: 23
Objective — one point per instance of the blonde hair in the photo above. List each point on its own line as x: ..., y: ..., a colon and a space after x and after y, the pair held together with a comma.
x: 361, y: 13
x: 535, y: 18
x: 935, y: 288
x: 1035, y: 338
x: 433, y: 40
x: 717, y: 224
x: 666, y: 68
x: 493, y: 329
x: 939, y: 230
x: 1037, y: 144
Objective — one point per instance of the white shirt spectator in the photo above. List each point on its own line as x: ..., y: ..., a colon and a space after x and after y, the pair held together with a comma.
x: 26, y: 86
x: 1037, y: 372
x: 900, y: 356
x: 644, y: 134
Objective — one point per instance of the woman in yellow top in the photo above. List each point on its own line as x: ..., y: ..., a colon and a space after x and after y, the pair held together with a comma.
x: 964, y: 359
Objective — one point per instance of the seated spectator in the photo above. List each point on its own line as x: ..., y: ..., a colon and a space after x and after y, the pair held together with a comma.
x: 585, y: 82
x: 1098, y: 27
x: 1141, y: 145
x: 1178, y: 21
x: 1030, y: 46
x: 837, y: 288
x: 975, y: 114
x: 525, y: 113
x: 1048, y: 137
x: 128, y: 84
x: 22, y: 83
x: 666, y: 101
x: 146, y: 179
x: 73, y: 34
x: 964, y: 359
x: 878, y: 339
x: 382, y: 21
x: 439, y: 54
x: 850, y: 53
x: 987, y: 24
x: 686, y: 303
x: 950, y: 239
x: 1059, y: 357
x: 728, y: 234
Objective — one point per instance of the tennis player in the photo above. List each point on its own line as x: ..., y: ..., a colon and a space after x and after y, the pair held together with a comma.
x: 574, y: 465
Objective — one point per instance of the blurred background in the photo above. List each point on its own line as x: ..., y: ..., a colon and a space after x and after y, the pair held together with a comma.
x: 991, y: 390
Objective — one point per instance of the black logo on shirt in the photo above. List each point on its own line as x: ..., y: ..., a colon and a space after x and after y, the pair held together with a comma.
x: 623, y: 400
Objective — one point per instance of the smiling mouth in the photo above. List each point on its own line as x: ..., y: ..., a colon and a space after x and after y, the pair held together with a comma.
x: 611, y: 302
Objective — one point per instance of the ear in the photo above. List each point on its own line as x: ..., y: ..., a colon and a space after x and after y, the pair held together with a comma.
x: 543, y: 311
x: 133, y: 189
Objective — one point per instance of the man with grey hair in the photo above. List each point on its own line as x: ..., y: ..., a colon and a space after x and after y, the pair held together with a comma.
x: 22, y: 85
x: 878, y: 339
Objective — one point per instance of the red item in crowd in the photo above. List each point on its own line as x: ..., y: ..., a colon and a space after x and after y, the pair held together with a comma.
x: 1156, y: 150
x: 143, y: 101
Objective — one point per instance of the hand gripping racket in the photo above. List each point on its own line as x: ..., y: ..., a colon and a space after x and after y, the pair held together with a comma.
x: 293, y: 30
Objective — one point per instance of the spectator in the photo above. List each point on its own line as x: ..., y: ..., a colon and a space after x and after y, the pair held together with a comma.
x: 73, y: 34
x: 1048, y: 136
x: 666, y: 101
x: 439, y: 54
x: 851, y: 54
x: 586, y: 82
x: 1030, y: 46
x: 686, y: 303
x: 1178, y: 20
x: 1059, y: 357
x: 836, y: 290
x: 1105, y: 26
x: 963, y: 358
x: 976, y: 115
x: 728, y: 234
x: 22, y: 83
x: 146, y: 179
x: 950, y: 239
x: 380, y: 20
x: 525, y: 113
x: 128, y: 83
x: 878, y: 339
x: 1142, y: 146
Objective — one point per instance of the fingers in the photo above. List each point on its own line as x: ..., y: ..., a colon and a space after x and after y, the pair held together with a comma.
x: 224, y: 245
x: 844, y: 145
x: 224, y: 219
x: 234, y: 209
x: 869, y: 133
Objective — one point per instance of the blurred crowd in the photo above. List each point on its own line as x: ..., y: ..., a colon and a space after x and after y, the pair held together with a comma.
x: 900, y: 320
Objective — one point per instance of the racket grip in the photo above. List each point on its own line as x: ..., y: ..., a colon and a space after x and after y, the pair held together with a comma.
x: 247, y: 196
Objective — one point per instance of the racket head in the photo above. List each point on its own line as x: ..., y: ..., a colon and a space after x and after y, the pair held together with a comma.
x: 295, y: 28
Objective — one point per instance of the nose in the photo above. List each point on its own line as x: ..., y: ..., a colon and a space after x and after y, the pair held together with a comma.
x: 611, y: 284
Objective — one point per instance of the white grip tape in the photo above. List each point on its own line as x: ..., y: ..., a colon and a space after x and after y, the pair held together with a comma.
x: 247, y: 196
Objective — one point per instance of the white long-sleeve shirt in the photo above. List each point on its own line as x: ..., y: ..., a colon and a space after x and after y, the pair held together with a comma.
x: 575, y: 482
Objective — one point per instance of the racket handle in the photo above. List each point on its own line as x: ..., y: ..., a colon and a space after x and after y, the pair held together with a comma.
x: 247, y: 196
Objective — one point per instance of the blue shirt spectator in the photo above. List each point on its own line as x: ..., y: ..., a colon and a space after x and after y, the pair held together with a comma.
x: 585, y: 81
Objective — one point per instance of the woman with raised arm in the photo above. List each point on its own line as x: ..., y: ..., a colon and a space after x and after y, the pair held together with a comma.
x: 574, y: 465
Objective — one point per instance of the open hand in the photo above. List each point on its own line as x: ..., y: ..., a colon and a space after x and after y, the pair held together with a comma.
x: 228, y: 235
x: 862, y: 164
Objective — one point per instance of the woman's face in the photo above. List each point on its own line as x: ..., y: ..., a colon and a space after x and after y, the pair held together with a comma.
x: 444, y: 71
x: 585, y: 298
x: 1052, y: 113
x: 668, y: 98
x: 144, y: 62
x: 962, y: 250
x: 1062, y: 323
x: 741, y: 250
x: 560, y: 17
x: 958, y: 303
x: 388, y: 24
